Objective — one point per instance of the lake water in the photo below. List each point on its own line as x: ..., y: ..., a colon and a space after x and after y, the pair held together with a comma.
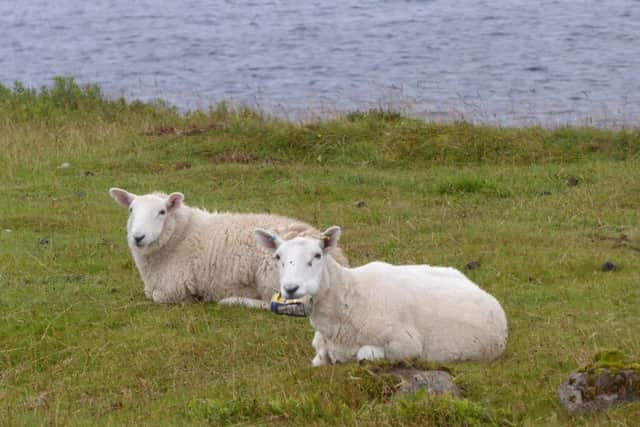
x: 511, y: 62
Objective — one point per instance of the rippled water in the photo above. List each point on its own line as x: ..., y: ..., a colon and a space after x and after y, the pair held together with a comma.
x: 508, y: 62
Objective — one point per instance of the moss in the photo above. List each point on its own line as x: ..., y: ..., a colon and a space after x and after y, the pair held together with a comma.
x: 374, y: 381
x: 610, y: 360
x: 609, y: 374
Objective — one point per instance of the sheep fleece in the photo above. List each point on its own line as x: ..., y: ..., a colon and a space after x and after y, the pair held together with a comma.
x: 212, y: 256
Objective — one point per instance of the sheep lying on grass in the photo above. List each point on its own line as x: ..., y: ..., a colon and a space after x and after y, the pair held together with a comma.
x: 185, y: 253
x: 385, y: 311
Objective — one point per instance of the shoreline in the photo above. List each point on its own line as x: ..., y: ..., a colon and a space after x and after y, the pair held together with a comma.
x: 467, y: 111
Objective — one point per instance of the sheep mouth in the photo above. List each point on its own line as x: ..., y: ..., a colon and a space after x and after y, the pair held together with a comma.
x: 296, y: 295
x: 140, y: 245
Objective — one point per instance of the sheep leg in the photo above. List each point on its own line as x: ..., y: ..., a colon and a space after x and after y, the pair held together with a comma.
x: 322, y: 354
x: 370, y: 352
x: 406, y: 346
x: 161, y: 297
x: 247, y: 302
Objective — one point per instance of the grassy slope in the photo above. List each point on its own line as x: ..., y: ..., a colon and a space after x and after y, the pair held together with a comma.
x: 80, y: 345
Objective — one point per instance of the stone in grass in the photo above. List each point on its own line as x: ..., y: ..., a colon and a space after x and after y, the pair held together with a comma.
x: 435, y: 382
x: 609, y: 266
x: 472, y: 265
x: 609, y: 380
x: 408, y: 376
x: 572, y: 181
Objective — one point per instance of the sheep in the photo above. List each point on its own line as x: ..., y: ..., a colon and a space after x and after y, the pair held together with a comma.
x: 381, y: 310
x: 185, y: 254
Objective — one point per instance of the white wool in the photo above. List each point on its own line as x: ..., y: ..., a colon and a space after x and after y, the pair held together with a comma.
x: 200, y: 255
x: 396, y: 312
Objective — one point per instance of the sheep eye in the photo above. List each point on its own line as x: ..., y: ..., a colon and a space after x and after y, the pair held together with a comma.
x: 278, y: 257
x: 162, y: 212
x: 130, y: 210
x: 309, y: 263
x: 317, y: 256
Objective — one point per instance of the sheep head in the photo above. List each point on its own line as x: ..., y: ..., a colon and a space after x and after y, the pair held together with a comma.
x: 300, y: 260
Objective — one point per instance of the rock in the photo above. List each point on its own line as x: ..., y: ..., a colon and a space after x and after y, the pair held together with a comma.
x: 65, y: 165
x: 472, y: 265
x: 585, y: 392
x: 435, y: 382
x: 609, y: 266
x: 572, y: 181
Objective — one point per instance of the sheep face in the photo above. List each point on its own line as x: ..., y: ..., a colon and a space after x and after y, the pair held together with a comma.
x: 150, y: 216
x: 300, y: 260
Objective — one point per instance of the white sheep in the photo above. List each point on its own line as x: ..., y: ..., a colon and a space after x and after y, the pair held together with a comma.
x: 185, y: 253
x: 380, y: 310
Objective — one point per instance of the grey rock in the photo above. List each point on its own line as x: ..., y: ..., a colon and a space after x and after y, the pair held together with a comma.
x: 472, y: 265
x: 585, y: 392
x: 572, y: 181
x: 435, y: 382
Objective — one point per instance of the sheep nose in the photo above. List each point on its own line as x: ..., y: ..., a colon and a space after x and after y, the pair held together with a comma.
x: 138, y: 239
x: 291, y: 289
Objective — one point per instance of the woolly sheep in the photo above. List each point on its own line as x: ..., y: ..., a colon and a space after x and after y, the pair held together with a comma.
x: 380, y: 310
x: 185, y: 253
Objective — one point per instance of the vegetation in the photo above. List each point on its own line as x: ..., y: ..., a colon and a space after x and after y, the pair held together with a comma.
x: 539, y: 209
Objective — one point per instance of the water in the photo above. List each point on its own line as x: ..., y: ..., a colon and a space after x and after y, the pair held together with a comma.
x: 511, y: 62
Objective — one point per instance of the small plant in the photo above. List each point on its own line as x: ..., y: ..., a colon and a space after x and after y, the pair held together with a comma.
x: 467, y: 185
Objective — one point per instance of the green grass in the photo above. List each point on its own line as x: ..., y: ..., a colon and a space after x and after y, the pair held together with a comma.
x: 80, y: 344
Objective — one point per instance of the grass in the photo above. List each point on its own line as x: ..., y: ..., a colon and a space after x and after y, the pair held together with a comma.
x: 80, y: 344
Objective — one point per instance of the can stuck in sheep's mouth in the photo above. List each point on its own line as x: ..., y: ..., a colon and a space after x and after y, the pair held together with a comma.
x: 291, y: 307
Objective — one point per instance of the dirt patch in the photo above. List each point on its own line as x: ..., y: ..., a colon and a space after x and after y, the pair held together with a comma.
x: 181, y: 165
x: 241, y: 157
x: 621, y: 241
x: 161, y: 167
x: 190, y: 131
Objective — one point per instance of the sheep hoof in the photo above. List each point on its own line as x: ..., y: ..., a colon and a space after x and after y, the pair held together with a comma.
x: 319, y: 360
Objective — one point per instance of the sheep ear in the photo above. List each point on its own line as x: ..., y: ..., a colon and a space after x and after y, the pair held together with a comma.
x: 122, y: 196
x: 174, y: 201
x: 267, y: 239
x: 330, y: 237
